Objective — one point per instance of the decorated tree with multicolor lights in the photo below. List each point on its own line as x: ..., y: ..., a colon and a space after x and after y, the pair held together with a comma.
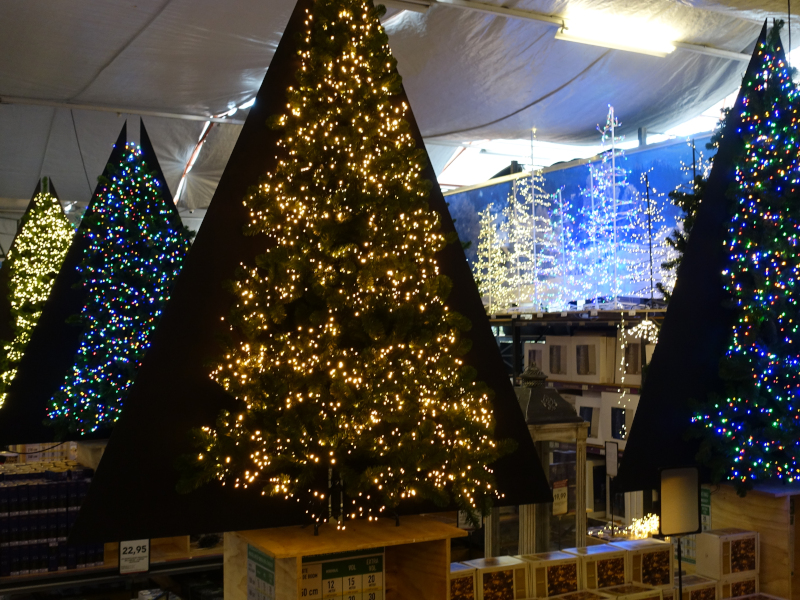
x: 345, y: 360
x: 33, y: 262
x: 134, y: 246
x: 751, y: 433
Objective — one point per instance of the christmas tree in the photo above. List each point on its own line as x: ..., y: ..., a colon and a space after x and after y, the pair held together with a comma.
x: 750, y: 432
x: 34, y: 259
x: 491, y: 269
x: 345, y: 360
x: 134, y: 245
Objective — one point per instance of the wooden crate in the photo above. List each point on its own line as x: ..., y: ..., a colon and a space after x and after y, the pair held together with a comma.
x: 632, y: 591
x: 551, y: 574
x: 724, y: 552
x: 413, y: 559
x: 737, y: 585
x: 501, y: 578
x: 650, y: 561
x: 695, y: 587
x: 601, y: 566
x: 462, y: 582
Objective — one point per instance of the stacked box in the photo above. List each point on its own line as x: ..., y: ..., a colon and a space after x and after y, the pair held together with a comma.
x: 501, y: 578
x: 462, y: 582
x: 650, y: 561
x: 551, y: 574
x: 725, y: 552
x: 633, y: 591
x: 601, y: 566
x: 738, y: 585
x: 582, y: 595
x: 695, y: 587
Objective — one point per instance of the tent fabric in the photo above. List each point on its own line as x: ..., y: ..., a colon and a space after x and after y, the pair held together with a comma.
x: 470, y: 75
x: 173, y: 392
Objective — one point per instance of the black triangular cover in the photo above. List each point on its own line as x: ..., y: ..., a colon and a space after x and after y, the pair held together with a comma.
x: 53, y: 344
x: 173, y: 392
x: 694, y: 336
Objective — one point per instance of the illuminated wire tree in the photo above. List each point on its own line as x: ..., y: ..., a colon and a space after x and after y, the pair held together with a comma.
x: 33, y: 261
x: 491, y: 268
x: 534, y: 259
x: 751, y: 433
x: 345, y: 359
x: 135, y: 245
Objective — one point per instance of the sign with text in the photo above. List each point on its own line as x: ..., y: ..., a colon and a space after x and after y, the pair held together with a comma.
x: 260, y: 575
x: 134, y: 557
x: 347, y: 576
x: 560, y: 497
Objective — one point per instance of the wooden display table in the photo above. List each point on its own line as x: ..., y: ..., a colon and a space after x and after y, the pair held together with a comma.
x: 409, y: 561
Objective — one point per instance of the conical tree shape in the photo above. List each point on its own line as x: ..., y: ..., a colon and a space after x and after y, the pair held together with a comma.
x: 135, y: 245
x: 53, y: 343
x: 6, y: 319
x: 33, y: 261
x: 174, y: 392
x: 695, y: 334
x: 751, y: 432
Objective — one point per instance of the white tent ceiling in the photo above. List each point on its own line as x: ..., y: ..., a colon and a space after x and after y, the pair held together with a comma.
x: 70, y: 71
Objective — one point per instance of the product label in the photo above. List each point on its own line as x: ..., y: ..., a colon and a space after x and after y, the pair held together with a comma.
x: 347, y: 576
x: 134, y: 557
x: 260, y: 575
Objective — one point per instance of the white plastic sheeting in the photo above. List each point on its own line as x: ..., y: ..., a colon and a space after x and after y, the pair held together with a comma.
x: 469, y: 75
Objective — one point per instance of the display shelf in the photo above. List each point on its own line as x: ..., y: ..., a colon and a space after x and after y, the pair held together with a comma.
x: 416, y: 555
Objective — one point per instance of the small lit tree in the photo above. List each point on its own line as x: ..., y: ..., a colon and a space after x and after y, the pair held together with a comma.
x: 33, y: 262
x: 491, y: 267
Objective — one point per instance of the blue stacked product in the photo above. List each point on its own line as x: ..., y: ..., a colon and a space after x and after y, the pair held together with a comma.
x: 38, y: 504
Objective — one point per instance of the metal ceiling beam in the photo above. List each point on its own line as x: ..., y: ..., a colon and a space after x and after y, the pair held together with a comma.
x: 115, y: 109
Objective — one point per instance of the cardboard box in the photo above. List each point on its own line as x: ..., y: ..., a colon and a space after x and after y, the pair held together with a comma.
x: 737, y: 585
x: 462, y: 582
x: 633, y: 591
x: 601, y: 566
x: 650, y: 561
x: 551, y: 574
x: 500, y: 578
x: 724, y: 552
x: 695, y: 587
x: 582, y: 595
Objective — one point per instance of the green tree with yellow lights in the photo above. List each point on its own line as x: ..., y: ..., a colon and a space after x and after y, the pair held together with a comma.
x: 751, y: 432
x: 346, y: 360
x: 34, y: 260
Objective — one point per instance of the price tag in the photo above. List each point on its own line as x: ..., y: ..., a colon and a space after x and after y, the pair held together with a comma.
x: 560, y: 496
x: 134, y: 557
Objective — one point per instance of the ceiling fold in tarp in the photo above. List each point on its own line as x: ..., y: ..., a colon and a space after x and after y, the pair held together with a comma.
x: 470, y: 76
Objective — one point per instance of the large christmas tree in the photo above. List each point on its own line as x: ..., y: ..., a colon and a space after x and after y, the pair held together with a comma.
x: 134, y: 248
x: 34, y: 259
x: 752, y: 433
x: 345, y: 358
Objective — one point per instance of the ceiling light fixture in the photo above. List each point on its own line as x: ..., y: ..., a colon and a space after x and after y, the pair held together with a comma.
x: 617, y: 32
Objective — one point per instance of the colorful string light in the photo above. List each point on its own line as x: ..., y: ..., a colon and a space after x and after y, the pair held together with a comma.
x: 751, y: 433
x: 134, y: 249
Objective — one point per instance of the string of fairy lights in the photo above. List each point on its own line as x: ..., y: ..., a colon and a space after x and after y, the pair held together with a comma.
x: 754, y: 425
x: 33, y: 261
x: 352, y: 393
x: 134, y: 249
